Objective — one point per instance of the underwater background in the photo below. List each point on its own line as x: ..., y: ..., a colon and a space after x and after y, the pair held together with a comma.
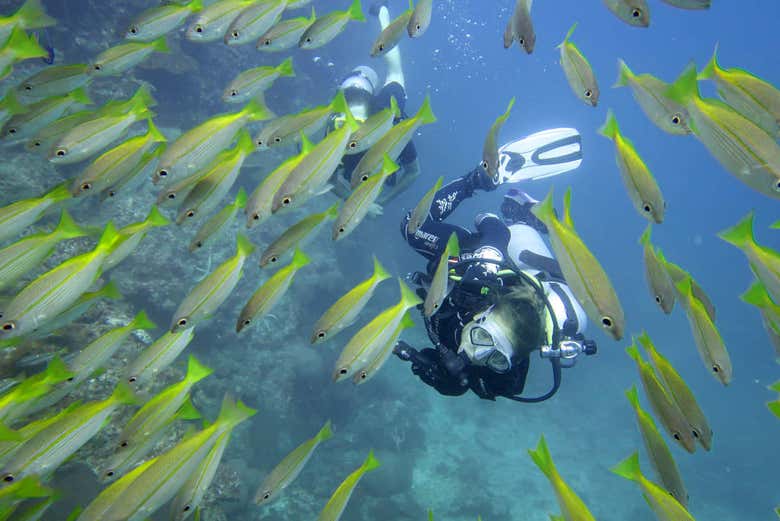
x: 460, y: 457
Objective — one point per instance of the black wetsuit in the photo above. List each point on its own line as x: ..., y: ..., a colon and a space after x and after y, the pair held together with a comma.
x: 441, y: 367
x: 378, y: 103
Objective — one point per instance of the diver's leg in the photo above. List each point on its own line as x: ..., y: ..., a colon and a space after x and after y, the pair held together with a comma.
x: 453, y: 193
x: 431, y: 239
x: 516, y: 209
x: 492, y: 229
x: 395, y: 71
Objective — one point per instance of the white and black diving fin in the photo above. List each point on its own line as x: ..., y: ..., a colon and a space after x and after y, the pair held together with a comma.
x: 543, y: 154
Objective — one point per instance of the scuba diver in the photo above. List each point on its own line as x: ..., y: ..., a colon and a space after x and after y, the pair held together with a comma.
x: 365, y: 97
x: 507, y: 295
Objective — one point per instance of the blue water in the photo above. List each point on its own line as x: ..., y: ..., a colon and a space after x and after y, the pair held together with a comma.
x: 461, y: 457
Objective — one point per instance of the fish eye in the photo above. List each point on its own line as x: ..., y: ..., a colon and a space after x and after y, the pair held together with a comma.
x: 716, y: 368
x: 343, y: 370
x: 308, y: 40
x: 484, y: 164
x: 353, y: 144
x: 522, y: 41
x: 676, y: 119
x: 266, y: 42
x: 606, y: 322
x: 247, y: 322
x: 636, y: 13
x: 186, y: 508
x: 8, y: 478
x: 381, y: 47
x: 198, y: 28
x: 61, y: 152
x: 267, y: 494
x: 172, y: 195
x: 111, y: 193
x: 85, y: 187
x: 321, y: 334
x: 341, y: 229
x: 134, y: 30
x: 12, y: 130
x: 190, y: 213
x: 70, y: 379
x: 657, y: 299
x: 123, y: 444
x: 273, y: 259
x: 235, y: 34
x: 162, y: 173
x: 9, y: 326
x: 132, y: 379
x: 109, y: 473
x: 277, y: 140
x: 199, y: 244
x: 588, y: 93
x: 256, y: 217
x: 28, y: 87
x: 676, y: 436
x: 364, y: 177
x: 286, y: 201
x: 36, y: 143
x: 98, y: 67
x: 647, y: 208
x: 182, y: 322
x: 418, y: 27
x: 363, y: 375
x: 695, y: 433
x: 777, y: 186
x: 234, y: 93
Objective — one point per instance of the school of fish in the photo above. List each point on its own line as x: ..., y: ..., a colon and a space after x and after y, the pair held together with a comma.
x: 49, y: 114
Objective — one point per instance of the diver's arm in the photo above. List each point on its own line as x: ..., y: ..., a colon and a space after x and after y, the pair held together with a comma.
x: 395, y: 72
x: 428, y: 365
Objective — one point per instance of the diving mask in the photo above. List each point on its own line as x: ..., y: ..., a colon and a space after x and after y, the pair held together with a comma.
x: 485, y: 342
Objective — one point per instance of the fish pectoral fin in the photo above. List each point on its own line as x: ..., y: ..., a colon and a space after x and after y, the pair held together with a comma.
x: 324, y: 190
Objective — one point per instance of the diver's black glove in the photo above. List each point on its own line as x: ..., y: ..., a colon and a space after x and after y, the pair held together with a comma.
x: 403, y: 351
x: 427, y: 364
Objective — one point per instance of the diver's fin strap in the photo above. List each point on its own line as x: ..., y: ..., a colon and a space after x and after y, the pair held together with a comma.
x: 548, y: 265
x: 564, y: 158
x: 517, y: 161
